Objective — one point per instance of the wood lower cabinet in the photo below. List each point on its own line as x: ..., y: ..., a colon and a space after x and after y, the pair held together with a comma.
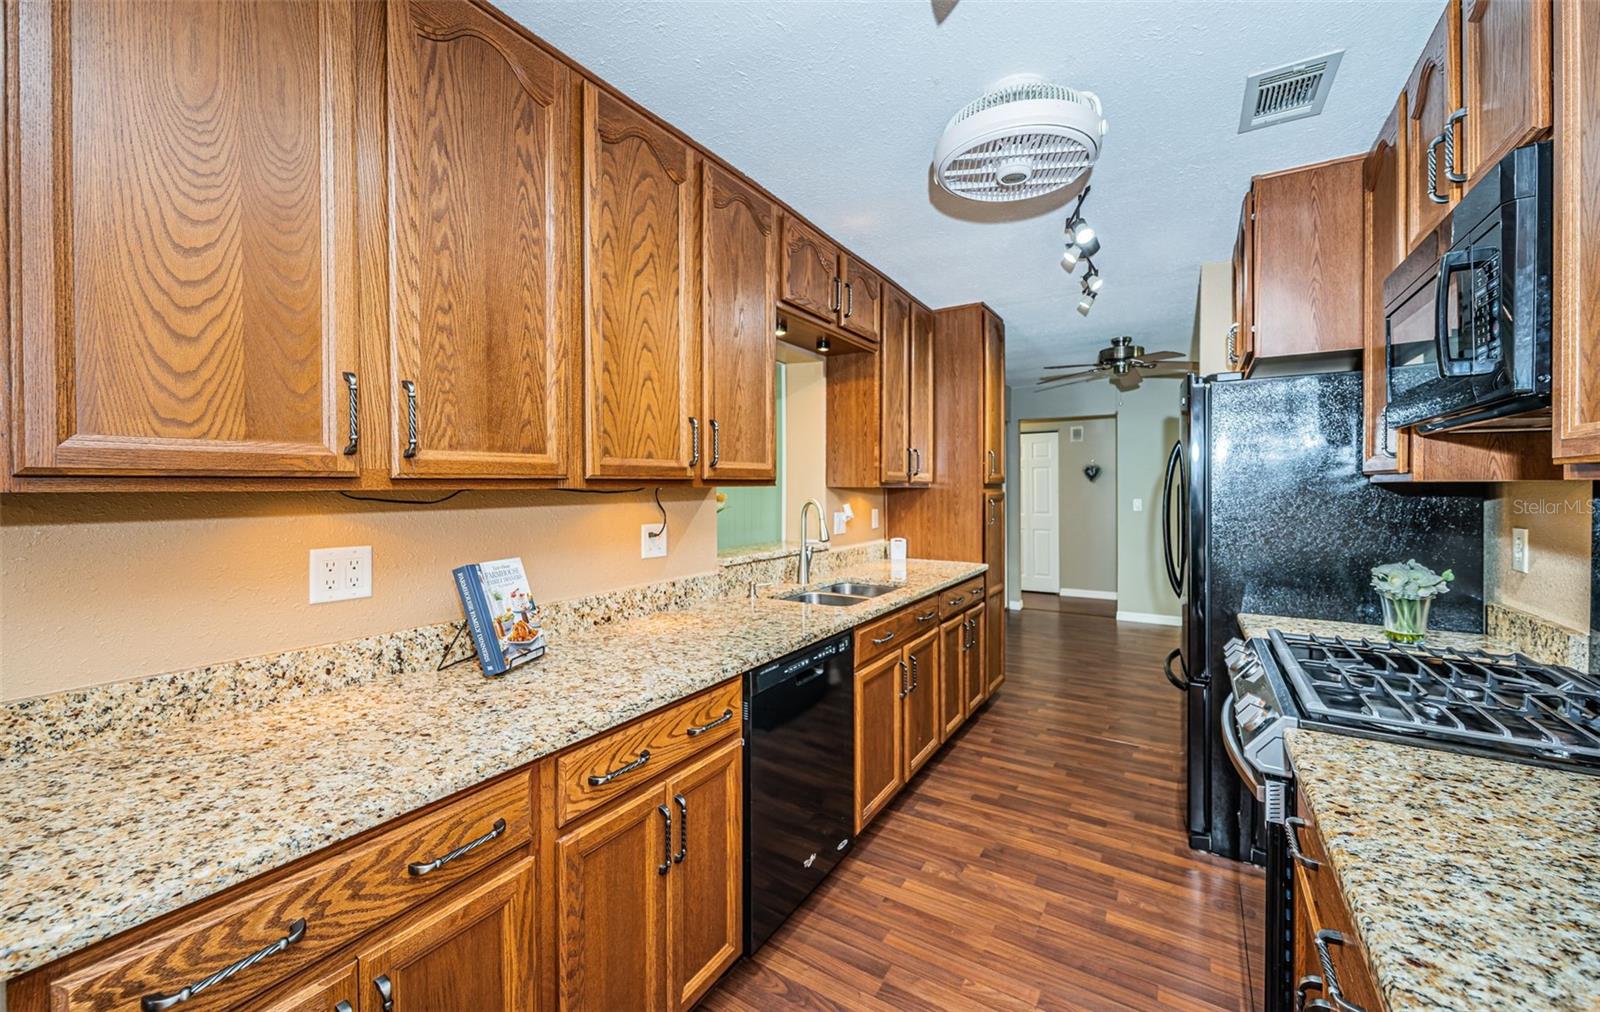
x: 739, y: 265
x: 184, y: 295
x: 1324, y: 930
x: 991, y: 627
x: 953, y: 650
x: 920, y: 725
x: 975, y: 677
x: 705, y: 889
x: 641, y: 336
x: 879, y: 685
x: 483, y: 205
x: 1575, y: 334
x: 334, y: 990
x: 473, y: 950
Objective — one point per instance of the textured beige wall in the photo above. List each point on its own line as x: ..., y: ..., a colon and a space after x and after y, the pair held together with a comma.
x: 806, y: 429
x: 1560, y: 535
x: 99, y: 588
x: 1213, y: 315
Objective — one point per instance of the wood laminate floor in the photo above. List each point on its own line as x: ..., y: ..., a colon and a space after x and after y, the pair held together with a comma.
x: 1038, y: 862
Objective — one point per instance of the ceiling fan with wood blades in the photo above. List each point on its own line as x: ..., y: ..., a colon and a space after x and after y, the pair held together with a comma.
x: 1125, y: 364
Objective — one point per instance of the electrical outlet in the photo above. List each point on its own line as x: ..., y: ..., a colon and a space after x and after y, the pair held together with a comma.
x: 1138, y: 505
x: 874, y: 519
x: 1519, y: 549
x: 651, y: 544
x: 838, y: 523
x: 341, y: 574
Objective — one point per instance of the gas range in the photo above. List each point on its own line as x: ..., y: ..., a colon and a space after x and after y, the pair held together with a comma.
x: 1504, y: 706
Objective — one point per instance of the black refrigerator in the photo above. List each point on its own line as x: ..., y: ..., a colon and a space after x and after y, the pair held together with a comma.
x: 1267, y: 511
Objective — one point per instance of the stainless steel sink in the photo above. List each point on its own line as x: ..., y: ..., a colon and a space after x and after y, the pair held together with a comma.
x: 822, y: 597
x: 860, y: 589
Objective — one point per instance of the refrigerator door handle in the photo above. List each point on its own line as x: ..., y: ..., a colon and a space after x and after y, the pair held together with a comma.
x: 1181, y: 684
x: 1168, y: 484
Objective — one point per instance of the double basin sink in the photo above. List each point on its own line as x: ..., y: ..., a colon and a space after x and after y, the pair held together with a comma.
x: 841, y: 594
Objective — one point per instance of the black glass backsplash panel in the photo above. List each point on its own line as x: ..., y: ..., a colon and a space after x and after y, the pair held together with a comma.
x: 1296, y: 526
x: 1594, y: 582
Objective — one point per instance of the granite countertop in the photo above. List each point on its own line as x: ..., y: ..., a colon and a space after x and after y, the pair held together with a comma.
x: 1258, y: 625
x: 105, y: 836
x: 1474, y: 883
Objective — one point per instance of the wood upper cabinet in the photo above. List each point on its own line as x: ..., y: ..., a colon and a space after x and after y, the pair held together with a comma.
x: 1505, y: 78
x: 919, y: 393
x: 879, y: 685
x: 994, y: 400
x: 894, y: 390
x: 705, y: 889
x: 1434, y: 91
x: 810, y: 273
x: 739, y: 267
x: 472, y: 950
x: 611, y: 907
x: 641, y: 342
x: 1241, y: 347
x: 921, y: 720
x: 483, y: 206
x: 183, y: 228
x: 1575, y: 323
x: 861, y: 313
x: 1307, y: 247
x: 1384, y: 177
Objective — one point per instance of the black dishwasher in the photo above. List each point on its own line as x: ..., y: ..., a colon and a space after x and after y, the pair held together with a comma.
x: 799, y: 779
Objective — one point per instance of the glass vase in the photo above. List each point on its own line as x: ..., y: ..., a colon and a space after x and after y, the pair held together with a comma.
x: 1405, y: 619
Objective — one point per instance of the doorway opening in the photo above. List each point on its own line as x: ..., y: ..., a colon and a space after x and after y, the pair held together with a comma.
x: 1068, y: 516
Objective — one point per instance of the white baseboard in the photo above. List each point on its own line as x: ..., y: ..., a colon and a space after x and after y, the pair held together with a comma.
x: 1148, y: 618
x: 1095, y: 595
x: 1014, y: 605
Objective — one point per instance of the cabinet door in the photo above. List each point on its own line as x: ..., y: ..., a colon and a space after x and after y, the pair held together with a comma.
x: 894, y: 358
x: 953, y: 649
x: 739, y: 265
x: 335, y: 990
x: 641, y: 347
x: 1385, y: 179
x: 483, y: 231
x: 1434, y: 91
x: 810, y: 274
x: 1242, y: 355
x: 1577, y: 241
x: 879, y: 686
x: 919, y: 392
x: 184, y: 239
x: 994, y: 400
x: 922, y: 718
x: 864, y: 292
x: 1505, y: 78
x: 474, y: 950
x: 992, y: 631
x: 705, y: 888
x: 1307, y: 249
x: 994, y: 537
x: 611, y: 907
x: 975, y: 679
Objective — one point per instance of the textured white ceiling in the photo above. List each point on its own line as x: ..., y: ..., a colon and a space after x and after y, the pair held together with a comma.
x: 835, y: 107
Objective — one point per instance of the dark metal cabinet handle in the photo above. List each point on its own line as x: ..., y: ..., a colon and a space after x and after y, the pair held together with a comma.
x: 991, y: 465
x: 1310, y: 982
x: 914, y: 679
x: 353, y: 423
x: 695, y: 732
x: 916, y: 454
x: 411, y: 416
x: 911, y: 462
x: 886, y: 637
x: 1452, y: 168
x: 905, y: 682
x: 601, y: 779
x: 928, y: 616
x: 694, y: 440
x: 344, y: 1006
x: 952, y: 602
x: 1291, y: 827
x: 1433, y: 171
x: 837, y: 301
x: 716, y: 442
x: 1331, y: 979
x: 666, y: 845
x: 385, y: 992
x: 849, y: 299
x: 158, y: 1002
x: 683, y: 829
x: 420, y: 868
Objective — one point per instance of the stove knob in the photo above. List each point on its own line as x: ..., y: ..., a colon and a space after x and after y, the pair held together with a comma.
x: 1254, y: 721
x: 1250, y: 699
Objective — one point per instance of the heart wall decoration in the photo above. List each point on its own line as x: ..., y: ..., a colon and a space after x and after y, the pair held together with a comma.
x: 1091, y: 471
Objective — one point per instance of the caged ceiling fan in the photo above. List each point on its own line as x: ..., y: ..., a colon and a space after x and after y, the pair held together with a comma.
x: 1126, y: 364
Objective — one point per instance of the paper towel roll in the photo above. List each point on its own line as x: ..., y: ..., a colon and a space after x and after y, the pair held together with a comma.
x: 897, y: 549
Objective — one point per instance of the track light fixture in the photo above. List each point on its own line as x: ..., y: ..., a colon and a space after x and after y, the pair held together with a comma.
x: 1092, y: 281
x: 782, y: 329
x: 1082, y: 244
x: 822, y: 344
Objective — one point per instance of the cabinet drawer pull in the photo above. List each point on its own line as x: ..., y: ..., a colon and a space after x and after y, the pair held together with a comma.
x: 952, y: 602
x: 601, y: 779
x: 352, y: 422
x: 158, y: 1002
x: 1329, y: 977
x: 420, y: 868
x: 881, y: 640
x: 1291, y: 826
x: 695, y: 732
x: 411, y: 417
x: 683, y: 829
x: 716, y: 442
x: 905, y: 681
x: 385, y: 992
x: 928, y: 617
x: 694, y: 441
x: 666, y: 844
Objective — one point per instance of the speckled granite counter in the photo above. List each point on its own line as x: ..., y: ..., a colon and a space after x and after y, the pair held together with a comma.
x: 1474, y: 883
x: 107, y: 835
x: 1257, y: 625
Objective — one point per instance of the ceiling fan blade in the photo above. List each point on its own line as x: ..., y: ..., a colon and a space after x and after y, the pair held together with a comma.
x: 1171, y: 369
x: 1079, y: 365
x: 1157, y: 356
x: 1077, y: 377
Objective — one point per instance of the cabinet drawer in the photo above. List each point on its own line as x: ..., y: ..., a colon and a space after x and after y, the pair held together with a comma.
x: 891, y: 632
x: 302, y: 918
x: 953, y: 600
x: 618, y: 761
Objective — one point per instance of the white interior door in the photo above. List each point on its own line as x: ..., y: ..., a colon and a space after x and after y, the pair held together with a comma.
x: 1041, y: 512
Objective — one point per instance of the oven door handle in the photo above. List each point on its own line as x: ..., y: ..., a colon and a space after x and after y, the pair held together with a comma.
x: 1230, y: 744
x: 1181, y: 684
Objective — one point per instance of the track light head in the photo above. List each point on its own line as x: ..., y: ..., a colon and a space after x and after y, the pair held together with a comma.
x: 1070, y: 258
x: 1086, y: 305
x: 1082, y: 232
x: 782, y: 329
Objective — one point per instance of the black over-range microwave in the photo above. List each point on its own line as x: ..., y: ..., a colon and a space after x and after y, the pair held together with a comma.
x: 1468, y: 329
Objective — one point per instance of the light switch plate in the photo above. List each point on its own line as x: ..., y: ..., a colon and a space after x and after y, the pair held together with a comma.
x: 1519, y: 549
x: 1138, y: 505
x: 874, y: 519
x: 341, y: 574
x: 838, y: 523
x: 651, y: 544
